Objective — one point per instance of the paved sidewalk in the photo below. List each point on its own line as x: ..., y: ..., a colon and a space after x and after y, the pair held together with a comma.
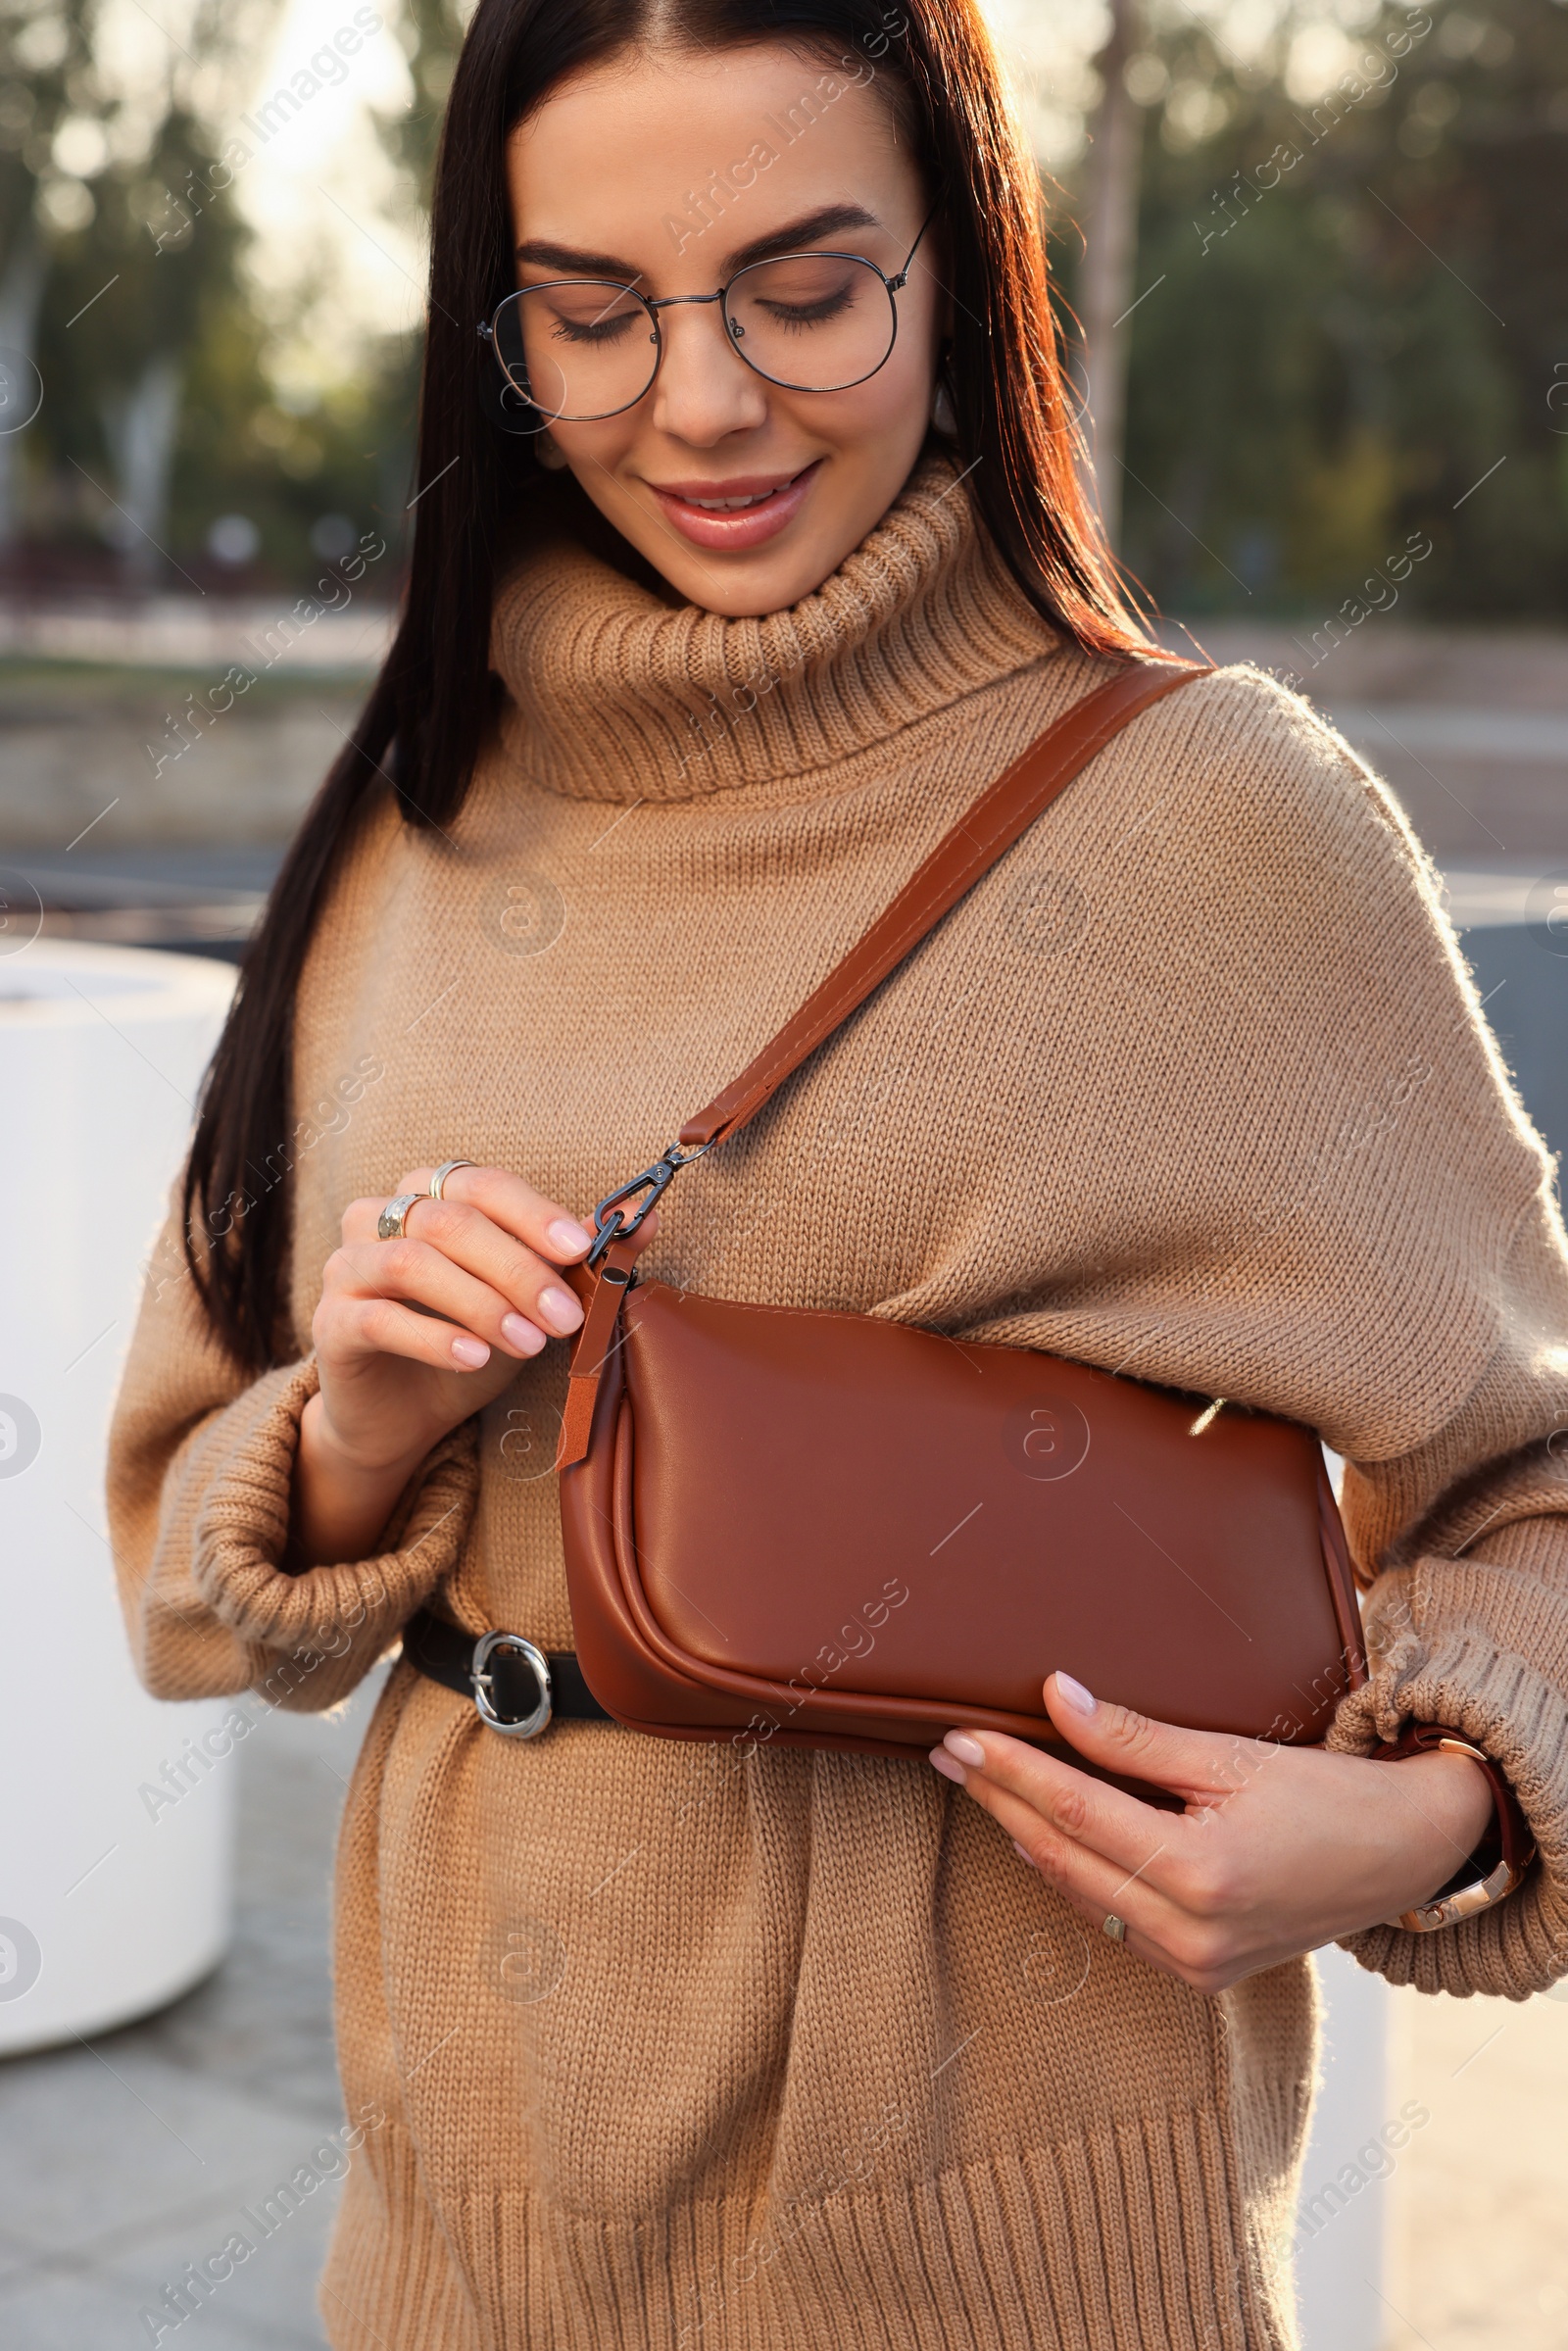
x: 122, y: 2162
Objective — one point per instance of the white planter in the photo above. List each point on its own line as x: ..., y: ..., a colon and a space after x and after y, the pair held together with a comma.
x: 1357, y: 2133
x: 110, y: 1904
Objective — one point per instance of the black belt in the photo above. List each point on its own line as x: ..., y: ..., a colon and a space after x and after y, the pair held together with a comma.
x: 517, y: 1688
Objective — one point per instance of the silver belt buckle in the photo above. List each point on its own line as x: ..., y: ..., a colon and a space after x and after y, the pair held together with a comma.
x: 528, y: 1725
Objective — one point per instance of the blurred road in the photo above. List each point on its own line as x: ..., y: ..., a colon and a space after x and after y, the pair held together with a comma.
x: 126, y: 2160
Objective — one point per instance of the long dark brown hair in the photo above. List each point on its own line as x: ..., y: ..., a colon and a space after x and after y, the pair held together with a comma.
x: 425, y: 723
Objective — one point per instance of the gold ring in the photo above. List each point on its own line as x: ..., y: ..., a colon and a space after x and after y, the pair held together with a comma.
x: 392, y: 1223
x: 445, y: 1168
x: 1114, y: 1928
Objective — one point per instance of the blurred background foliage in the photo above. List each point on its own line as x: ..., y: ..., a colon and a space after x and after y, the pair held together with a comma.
x: 1327, y: 355
x: 168, y: 451
x: 1345, y: 343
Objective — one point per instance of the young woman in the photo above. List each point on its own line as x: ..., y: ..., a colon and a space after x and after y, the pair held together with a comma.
x: 1193, y: 1085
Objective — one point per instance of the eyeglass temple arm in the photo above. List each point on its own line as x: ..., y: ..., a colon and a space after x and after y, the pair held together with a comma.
x: 896, y: 285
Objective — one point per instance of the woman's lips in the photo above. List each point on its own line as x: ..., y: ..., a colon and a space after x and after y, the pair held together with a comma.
x: 742, y: 527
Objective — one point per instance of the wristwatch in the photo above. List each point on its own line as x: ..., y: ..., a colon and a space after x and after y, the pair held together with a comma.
x: 1499, y: 1863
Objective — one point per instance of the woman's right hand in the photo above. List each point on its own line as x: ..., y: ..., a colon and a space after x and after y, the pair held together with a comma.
x: 484, y: 1262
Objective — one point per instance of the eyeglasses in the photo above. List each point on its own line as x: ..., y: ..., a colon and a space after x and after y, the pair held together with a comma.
x: 581, y: 347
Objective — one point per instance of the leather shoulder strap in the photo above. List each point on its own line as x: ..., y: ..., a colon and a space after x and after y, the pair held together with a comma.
x: 991, y: 825
x: 985, y: 830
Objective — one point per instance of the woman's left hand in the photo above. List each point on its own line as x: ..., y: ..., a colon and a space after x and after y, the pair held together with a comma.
x: 1278, y: 1850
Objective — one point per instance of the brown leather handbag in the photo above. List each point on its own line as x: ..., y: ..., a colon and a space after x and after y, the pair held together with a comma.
x: 833, y: 1530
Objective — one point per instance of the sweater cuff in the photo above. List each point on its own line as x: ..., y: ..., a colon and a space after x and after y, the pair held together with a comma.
x: 1502, y: 1704
x: 243, y: 1531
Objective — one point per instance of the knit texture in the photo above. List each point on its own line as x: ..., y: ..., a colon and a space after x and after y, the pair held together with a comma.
x: 676, y: 2049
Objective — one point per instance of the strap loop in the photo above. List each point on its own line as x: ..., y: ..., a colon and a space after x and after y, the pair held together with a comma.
x: 608, y: 1222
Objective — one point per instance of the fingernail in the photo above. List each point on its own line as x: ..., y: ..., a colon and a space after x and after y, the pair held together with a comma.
x: 940, y: 1761
x: 1074, y: 1695
x: 560, y: 1310
x: 470, y: 1352
x: 1023, y: 1853
x: 968, y: 1751
x: 568, y: 1238
x: 517, y: 1333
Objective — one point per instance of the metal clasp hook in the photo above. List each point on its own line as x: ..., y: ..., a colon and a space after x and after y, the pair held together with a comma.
x: 608, y: 1222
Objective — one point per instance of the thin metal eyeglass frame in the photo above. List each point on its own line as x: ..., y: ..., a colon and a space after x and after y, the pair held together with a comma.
x: 653, y: 304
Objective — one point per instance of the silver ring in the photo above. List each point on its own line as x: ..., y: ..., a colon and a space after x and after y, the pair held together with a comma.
x: 526, y: 1725
x: 392, y: 1222
x: 445, y: 1168
x: 1114, y: 1928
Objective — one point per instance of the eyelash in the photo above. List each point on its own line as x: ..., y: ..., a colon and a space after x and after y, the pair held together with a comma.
x: 602, y: 332
x: 814, y: 313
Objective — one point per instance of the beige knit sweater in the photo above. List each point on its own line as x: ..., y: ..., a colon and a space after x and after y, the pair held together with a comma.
x: 793, y: 2054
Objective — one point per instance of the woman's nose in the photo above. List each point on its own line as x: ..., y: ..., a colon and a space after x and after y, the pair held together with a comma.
x: 703, y: 389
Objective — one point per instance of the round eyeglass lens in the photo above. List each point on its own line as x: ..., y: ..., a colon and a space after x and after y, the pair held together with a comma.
x: 578, y: 349
x: 813, y: 322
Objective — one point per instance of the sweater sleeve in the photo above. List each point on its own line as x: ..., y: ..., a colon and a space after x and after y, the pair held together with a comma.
x: 1364, y: 1236
x: 1467, y: 1619
x: 201, y: 1467
x: 1424, y: 1253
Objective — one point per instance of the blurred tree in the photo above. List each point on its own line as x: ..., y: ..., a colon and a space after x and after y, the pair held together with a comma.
x: 44, y: 57
x: 119, y: 193
x: 137, y: 294
x: 433, y: 34
x: 1110, y: 232
x: 160, y: 418
x: 1354, y: 325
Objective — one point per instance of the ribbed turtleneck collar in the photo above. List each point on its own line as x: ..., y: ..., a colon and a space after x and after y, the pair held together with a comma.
x: 614, y: 694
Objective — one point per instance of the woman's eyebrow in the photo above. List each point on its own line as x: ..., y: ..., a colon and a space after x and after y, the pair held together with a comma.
x: 829, y: 220
x: 577, y: 263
